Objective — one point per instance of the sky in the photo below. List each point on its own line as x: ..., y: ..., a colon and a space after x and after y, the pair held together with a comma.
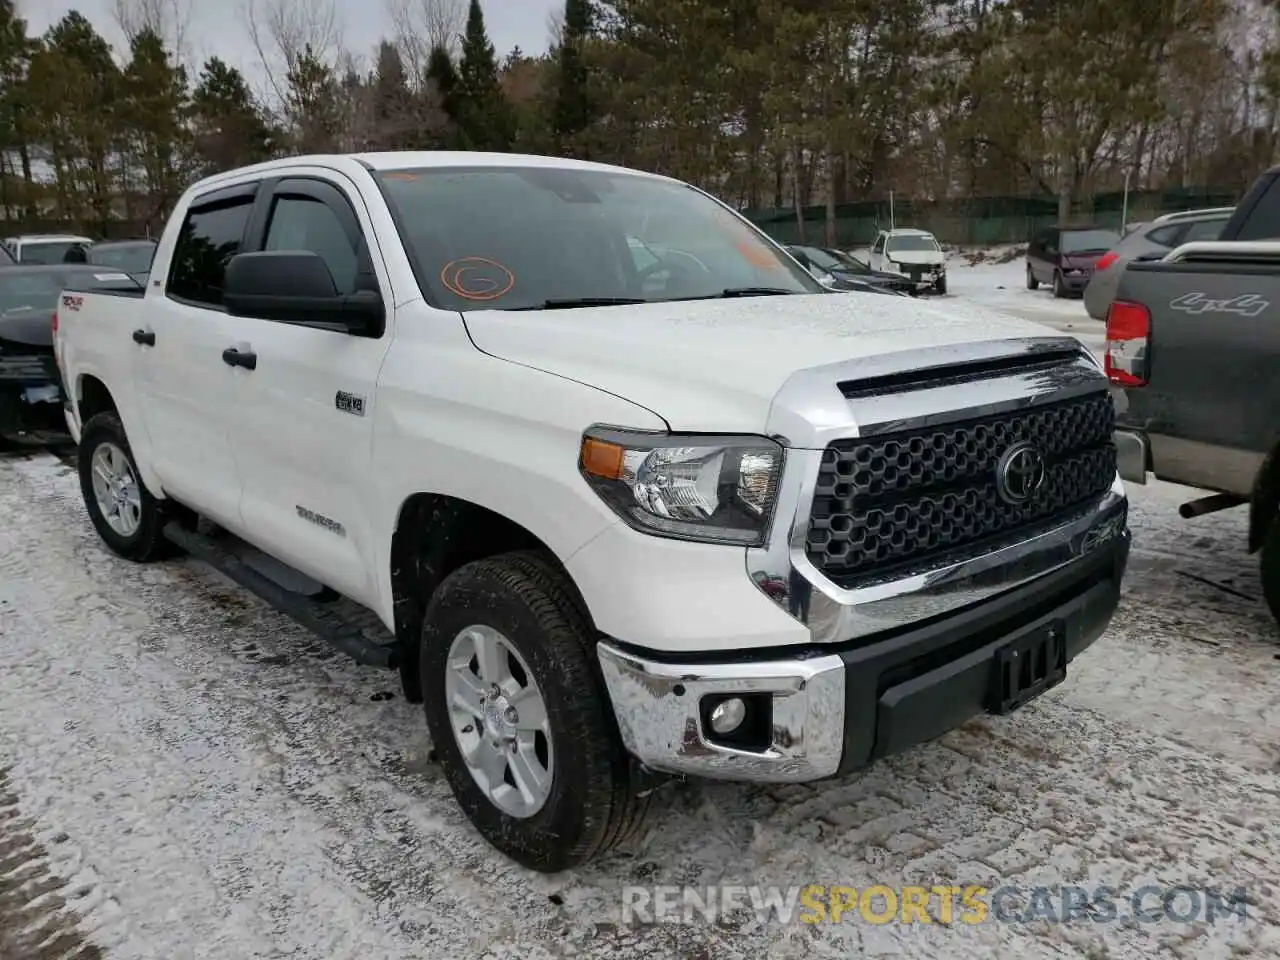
x: 216, y: 27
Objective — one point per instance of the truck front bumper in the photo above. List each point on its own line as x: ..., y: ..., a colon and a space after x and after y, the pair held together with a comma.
x: 827, y: 710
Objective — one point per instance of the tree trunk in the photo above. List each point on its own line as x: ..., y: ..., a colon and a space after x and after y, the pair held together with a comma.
x: 797, y: 193
x: 829, y: 172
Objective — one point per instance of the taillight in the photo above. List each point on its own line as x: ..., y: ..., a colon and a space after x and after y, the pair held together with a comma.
x: 1128, y: 330
x: 1106, y: 260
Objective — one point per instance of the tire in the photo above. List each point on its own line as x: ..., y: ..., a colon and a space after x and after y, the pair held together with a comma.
x: 591, y: 804
x: 941, y: 286
x: 1059, y: 288
x: 1270, y: 569
x: 1032, y: 282
x: 145, y: 541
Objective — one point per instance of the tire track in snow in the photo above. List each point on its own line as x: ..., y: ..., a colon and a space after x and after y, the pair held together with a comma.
x: 38, y: 919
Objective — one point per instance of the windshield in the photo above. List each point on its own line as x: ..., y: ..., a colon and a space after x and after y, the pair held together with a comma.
x: 1089, y: 241
x: 910, y: 244
x: 35, y: 251
x: 848, y: 262
x: 820, y: 258
x: 127, y: 257
x: 506, y: 238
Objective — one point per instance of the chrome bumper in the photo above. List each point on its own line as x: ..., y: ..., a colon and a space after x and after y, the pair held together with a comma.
x: 658, y: 707
x: 1132, y: 455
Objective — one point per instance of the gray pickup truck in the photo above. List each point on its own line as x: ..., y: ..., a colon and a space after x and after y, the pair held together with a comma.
x: 1192, y: 346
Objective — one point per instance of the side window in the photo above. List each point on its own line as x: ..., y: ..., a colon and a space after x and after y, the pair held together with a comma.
x: 1263, y: 221
x: 1167, y: 236
x: 210, y: 236
x: 1203, y: 230
x: 307, y: 223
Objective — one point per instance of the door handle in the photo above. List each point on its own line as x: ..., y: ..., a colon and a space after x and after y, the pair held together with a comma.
x: 144, y: 337
x: 240, y: 358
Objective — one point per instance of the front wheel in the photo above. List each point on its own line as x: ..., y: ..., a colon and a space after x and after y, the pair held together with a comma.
x: 941, y: 286
x: 520, y: 716
x: 1032, y: 282
x: 128, y: 518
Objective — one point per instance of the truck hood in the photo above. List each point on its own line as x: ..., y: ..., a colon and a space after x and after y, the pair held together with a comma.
x: 716, y: 365
x: 917, y: 257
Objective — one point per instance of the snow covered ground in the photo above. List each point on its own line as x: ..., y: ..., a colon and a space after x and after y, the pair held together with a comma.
x: 184, y: 773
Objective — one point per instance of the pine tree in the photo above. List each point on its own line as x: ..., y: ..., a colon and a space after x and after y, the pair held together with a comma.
x: 572, y: 108
x: 153, y: 112
x: 484, y: 117
x: 229, y: 127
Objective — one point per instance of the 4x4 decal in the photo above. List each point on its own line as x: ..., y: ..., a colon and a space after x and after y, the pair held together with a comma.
x: 1247, y: 304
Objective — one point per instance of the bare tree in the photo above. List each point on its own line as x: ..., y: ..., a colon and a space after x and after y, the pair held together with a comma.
x: 555, y: 26
x: 420, y: 26
x: 167, y: 19
x: 282, y: 31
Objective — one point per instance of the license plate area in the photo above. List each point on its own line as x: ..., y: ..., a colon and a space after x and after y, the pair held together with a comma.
x: 1028, y: 666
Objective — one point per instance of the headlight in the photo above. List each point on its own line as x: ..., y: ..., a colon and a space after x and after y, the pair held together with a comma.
x: 712, y: 489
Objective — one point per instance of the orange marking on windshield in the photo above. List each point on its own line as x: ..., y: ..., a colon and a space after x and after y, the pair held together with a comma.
x: 757, y: 255
x: 407, y: 177
x: 477, y: 278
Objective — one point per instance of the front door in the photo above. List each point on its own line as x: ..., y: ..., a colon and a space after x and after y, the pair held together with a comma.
x: 303, y: 438
x: 185, y: 387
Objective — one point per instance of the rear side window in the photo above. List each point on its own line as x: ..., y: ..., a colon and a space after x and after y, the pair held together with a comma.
x: 1165, y: 236
x: 1263, y: 221
x: 1203, y: 230
x: 210, y: 236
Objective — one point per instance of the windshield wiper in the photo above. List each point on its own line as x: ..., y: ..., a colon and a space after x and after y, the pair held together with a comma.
x: 571, y: 302
x: 756, y: 292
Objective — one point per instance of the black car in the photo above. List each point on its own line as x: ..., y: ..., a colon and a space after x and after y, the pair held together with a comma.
x: 846, y: 268
x: 31, y: 389
x: 128, y: 256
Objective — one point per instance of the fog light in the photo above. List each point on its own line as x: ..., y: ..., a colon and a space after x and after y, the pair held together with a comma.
x: 726, y: 717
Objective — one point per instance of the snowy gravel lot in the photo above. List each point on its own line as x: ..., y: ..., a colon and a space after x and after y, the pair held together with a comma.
x: 185, y: 773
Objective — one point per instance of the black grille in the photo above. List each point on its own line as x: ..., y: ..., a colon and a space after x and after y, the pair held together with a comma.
x: 896, y: 503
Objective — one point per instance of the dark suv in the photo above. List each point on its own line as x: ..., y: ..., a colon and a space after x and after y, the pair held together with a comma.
x: 1065, y: 257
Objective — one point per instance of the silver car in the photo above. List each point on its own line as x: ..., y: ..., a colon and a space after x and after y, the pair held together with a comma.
x: 1150, y: 241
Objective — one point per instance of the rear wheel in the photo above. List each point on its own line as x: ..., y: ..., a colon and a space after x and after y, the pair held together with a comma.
x: 1032, y: 282
x: 1059, y: 288
x: 128, y: 518
x: 520, y: 716
x: 1270, y: 569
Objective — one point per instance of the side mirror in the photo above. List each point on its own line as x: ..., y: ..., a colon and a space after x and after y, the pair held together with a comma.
x: 295, y: 286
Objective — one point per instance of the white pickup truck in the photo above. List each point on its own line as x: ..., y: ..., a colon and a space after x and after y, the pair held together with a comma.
x: 634, y: 495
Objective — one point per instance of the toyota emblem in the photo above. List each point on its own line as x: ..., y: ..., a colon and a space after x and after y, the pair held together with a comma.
x: 1020, y: 473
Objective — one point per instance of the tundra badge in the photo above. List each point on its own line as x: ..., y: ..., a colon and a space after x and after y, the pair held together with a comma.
x: 349, y: 403
x: 333, y: 526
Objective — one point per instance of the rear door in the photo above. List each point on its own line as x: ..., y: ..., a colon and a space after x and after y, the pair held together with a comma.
x: 302, y: 425
x: 186, y: 389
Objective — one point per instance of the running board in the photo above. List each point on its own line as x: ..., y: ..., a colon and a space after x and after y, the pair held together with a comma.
x: 316, y: 616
